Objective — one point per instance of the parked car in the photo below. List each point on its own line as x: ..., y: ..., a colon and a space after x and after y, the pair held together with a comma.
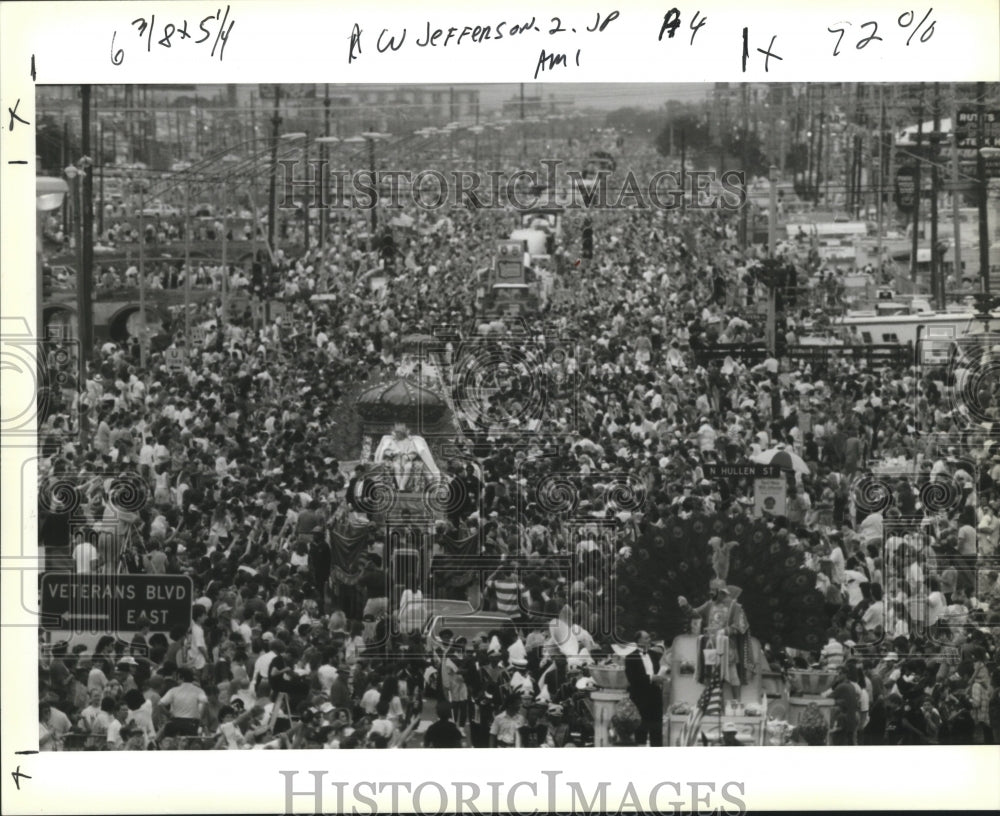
x: 414, y: 615
x: 467, y: 626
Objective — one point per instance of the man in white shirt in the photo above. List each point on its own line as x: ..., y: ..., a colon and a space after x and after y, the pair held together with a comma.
x: 369, y: 700
x: 327, y: 673
x: 874, y: 616
x: 852, y: 583
x: 199, y: 648
x: 185, y: 703
x: 263, y: 663
x: 114, y: 737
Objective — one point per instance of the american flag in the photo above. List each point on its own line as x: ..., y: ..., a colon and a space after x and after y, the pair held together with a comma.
x: 709, y: 705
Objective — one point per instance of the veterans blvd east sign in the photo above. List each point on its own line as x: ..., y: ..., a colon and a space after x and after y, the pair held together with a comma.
x: 115, y: 602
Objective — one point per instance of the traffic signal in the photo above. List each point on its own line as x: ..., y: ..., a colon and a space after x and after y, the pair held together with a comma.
x: 588, y: 240
x: 47, y: 282
x: 791, y: 286
x: 257, y: 277
x: 986, y: 302
x: 771, y: 273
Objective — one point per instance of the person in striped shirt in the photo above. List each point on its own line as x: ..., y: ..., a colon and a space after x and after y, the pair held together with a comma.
x: 511, y: 595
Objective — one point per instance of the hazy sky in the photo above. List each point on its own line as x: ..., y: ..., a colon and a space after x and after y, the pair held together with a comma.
x: 604, y: 95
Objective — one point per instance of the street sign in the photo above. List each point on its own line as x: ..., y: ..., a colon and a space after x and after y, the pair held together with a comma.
x: 990, y: 166
x: 115, y: 602
x: 173, y: 358
x: 960, y: 186
x: 743, y: 470
x: 968, y: 120
x: 967, y: 136
x: 906, y: 187
x: 971, y: 142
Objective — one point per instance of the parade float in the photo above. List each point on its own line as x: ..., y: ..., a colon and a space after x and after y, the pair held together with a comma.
x: 778, y: 598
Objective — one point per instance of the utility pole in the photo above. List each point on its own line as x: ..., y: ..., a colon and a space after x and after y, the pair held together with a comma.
x: 772, y: 245
x: 879, y: 202
x: 85, y: 283
x: 224, y: 322
x: 64, y: 159
x: 272, y: 202
x: 811, y: 136
x: 723, y: 132
x: 937, y: 282
x: 187, y: 266
x: 324, y: 214
x: 918, y: 183
x: 745, y: 210
x: 984, y: 233
x: 819, y: 140
x: 306, y: 201
x: 142, y: 281
x: 371, y: 169
x: 848, y: 151
x: 891, y: 172
x: 524, y: 143
x: 955, y: 195
x: 100, y: 177
x: 858, y: 159
x: 683, y: 162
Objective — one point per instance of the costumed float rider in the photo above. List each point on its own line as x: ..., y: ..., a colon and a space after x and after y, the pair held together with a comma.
x: 724, y: 648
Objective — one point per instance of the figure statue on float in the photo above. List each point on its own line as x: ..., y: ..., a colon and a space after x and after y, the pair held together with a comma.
x: 407, y: 457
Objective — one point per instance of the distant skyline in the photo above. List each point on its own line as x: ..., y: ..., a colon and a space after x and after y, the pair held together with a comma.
x: 600, y: 95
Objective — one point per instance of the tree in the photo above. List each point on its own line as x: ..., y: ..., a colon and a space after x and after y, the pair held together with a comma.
x: 49, y: 146
x: 687, y: 128
x: 745, y: 147
x: 636, y: 120
x: 797, y: 158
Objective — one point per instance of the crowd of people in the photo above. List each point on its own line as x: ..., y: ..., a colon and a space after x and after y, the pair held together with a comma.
x: 228, y: 470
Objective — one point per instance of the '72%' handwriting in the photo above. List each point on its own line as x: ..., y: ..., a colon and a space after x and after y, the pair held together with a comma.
x: 905, y: 21
x: 212, y: 27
